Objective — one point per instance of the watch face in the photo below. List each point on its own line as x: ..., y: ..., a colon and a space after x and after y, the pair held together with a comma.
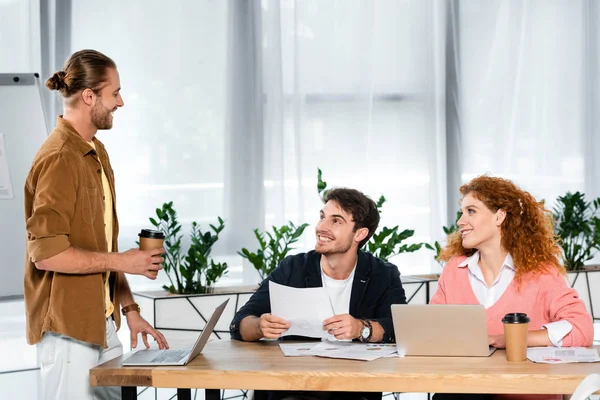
x: 365, y: 332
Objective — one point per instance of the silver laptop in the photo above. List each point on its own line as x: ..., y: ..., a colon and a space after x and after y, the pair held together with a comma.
x: 176, y: 357
x: 441, y: 330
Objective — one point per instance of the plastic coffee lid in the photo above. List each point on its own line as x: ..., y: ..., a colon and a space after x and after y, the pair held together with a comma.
x: 151, y: 234
x: 515, y: 318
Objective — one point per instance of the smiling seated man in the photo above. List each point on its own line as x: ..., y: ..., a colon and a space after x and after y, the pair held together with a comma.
x: 361, y: 287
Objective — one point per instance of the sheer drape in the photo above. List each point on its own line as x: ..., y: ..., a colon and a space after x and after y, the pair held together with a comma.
x: 55, y: 27
x: 232, y: 106
x: 352, y: 88
x: 522, y: 93
x: 591, y: 96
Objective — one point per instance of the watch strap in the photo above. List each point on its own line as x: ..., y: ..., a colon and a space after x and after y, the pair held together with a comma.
x: 370, y: 326
x: 130, y: 307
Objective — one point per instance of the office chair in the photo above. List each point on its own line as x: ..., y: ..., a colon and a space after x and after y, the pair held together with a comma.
x: 587, y: 387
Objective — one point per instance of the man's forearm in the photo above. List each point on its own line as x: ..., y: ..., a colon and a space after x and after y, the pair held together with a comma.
x: 76, y: 261
x: 250, y: 329
x: 378, y: 332
x: 123, y: 292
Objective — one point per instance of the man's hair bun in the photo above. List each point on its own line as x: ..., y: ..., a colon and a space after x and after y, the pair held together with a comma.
x: 57, y: 81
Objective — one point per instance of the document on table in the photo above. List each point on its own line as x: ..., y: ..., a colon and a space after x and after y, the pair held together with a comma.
x: 353, y: 351
x: 304, y: 308
x: 296, y: 349
x: 562, y: 355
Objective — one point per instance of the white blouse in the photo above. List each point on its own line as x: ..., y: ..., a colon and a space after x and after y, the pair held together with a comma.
x: 488, y: 296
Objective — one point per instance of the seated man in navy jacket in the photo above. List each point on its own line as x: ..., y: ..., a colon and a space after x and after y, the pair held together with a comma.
x: 361, y: 287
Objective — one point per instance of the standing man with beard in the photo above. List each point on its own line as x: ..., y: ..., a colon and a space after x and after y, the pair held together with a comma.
x: 361, y: 287
x: 75, y: 285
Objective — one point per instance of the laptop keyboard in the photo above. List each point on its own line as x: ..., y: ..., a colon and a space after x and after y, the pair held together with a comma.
x: 170, y: 356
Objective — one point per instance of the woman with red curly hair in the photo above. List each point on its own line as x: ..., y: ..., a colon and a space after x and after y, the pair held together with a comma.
x: 505, y: 256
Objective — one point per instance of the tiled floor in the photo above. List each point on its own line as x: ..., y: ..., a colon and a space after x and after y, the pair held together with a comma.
x: 19, y: 376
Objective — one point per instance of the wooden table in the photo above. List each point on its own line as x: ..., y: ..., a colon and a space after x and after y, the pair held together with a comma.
x: 237, y: 365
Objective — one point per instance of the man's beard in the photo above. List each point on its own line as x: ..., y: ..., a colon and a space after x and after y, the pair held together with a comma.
x: 339, y: 248
x: 101, y: 117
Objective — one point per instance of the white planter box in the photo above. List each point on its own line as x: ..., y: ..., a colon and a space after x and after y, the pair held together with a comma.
x: 587, y: 284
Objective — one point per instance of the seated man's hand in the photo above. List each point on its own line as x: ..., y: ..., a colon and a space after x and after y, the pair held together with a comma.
x: 497, y: 341
x: 271, y: 327
x: 343, y: 326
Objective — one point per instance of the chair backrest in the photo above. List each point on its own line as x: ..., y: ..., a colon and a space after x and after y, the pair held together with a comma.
x: 587, y: 387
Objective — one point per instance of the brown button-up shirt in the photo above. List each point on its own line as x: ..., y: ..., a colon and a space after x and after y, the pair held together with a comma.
x: 64, y: 207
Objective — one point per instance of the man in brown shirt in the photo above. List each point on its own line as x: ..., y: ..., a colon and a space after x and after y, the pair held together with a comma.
x: 74, y: 276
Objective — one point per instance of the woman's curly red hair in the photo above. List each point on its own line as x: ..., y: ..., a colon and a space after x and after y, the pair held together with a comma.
x: 527, y: 231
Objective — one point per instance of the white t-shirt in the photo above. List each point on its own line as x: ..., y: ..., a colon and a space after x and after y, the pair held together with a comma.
x: 339, y: 292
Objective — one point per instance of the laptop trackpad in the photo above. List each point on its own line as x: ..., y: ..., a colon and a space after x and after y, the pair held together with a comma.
x: 144, y: 355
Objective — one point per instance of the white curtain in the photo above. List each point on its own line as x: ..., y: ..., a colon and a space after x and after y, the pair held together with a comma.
x: 591, y: 95
x: 522, y: 93
x: 244, y: 119
x: 230, y: 107
x: 243, y: 124
x: 55, y: 30
x: 353, y: 87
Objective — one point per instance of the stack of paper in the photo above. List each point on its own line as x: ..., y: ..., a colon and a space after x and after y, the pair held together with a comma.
x: 352, y: 351
x: 562, y: 355
x: 296, y: 349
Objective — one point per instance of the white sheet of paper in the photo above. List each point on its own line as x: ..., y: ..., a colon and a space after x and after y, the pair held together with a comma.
x: 6, y: 191
x: 296, y: 349
x: 304, y: 308
x: 562, y: 355
x: 353, y: 351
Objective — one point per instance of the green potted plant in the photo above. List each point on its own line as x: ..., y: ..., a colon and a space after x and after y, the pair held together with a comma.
x: 274, y: 247
x: 578, y: 227
x: 194, y: 271
x: 192, y: 274
x: 386, y: 242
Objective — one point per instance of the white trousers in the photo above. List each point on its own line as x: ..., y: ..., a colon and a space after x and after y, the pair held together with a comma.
x: 65, y: 365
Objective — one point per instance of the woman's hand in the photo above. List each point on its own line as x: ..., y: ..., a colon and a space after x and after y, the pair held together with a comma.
x: 497, y: 341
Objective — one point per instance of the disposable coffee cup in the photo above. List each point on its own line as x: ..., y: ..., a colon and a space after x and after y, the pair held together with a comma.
x: 151, y: 239
x: 516, y: 326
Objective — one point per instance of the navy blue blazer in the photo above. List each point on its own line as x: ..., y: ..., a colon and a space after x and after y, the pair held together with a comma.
x: 375, y: 288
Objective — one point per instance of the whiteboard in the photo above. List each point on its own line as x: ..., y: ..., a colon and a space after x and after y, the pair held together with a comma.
x: 23, y: 128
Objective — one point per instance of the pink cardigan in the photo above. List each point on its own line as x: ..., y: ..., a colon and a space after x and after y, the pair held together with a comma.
x: 544, y: 298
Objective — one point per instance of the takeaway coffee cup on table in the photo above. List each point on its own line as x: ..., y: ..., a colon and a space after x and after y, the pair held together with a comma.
x: 151, y: 239
x: 516, y: 326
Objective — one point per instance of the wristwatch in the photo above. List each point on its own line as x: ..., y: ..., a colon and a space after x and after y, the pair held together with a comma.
x: 366, y: 332
x: 130, y: 308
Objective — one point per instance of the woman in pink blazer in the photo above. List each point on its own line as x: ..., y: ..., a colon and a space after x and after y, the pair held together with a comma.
x: 505, y: 256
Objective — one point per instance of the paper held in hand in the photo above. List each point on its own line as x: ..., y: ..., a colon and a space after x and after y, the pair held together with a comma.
x: 304, y: 308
